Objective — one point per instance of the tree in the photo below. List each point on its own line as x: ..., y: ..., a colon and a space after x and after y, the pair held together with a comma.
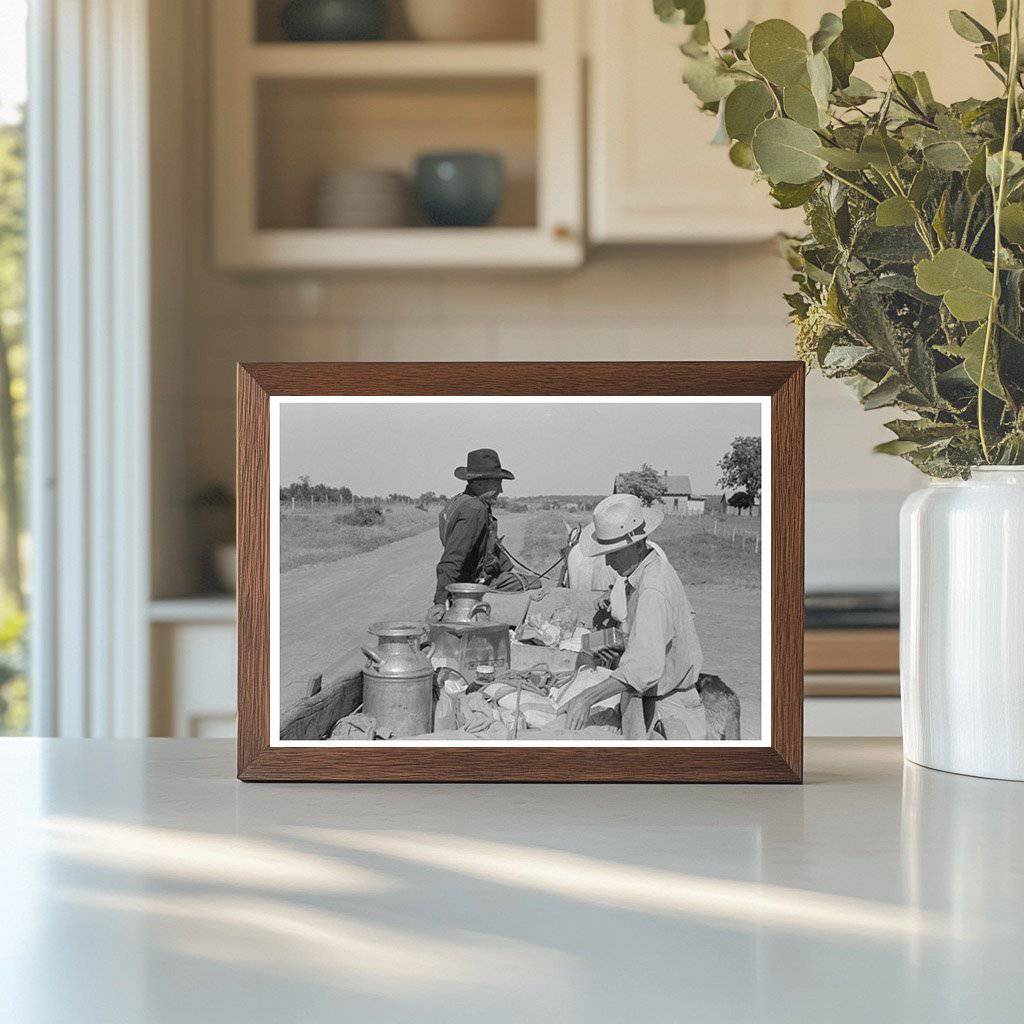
x: 644, y: 482
x: 346, y: 496
x: 741, y: 500
x: 741, y: 467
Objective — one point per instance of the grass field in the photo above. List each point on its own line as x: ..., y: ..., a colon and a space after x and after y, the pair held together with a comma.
x: 313, y: 536
x: 699, y: 555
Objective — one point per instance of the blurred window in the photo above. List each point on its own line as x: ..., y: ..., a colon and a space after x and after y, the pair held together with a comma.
x: 14, y: 539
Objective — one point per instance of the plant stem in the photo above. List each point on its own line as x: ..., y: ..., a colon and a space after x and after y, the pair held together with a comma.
x: 1011, y: 108
x: 907, y: 99
x: 853, y: 185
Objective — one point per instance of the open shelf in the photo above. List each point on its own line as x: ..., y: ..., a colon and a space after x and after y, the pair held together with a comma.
x: 308, y: 127
x: 287, y: 114
x: 520, y: 23
x: 391, y: 60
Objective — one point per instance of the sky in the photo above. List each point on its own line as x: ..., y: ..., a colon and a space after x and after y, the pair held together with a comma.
x: 553, y: 448
x: 12, y: 57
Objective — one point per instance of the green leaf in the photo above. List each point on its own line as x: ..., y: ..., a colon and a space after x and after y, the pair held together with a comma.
x: 739, y: 41
x: 857, y: 91
x: 866, y: 29
x: 741, y: 155
x: 1012, y: 223
x: 843, y: 358
x: 801, y: 106
x: 895, y: 212
x: 707, y: 78
x: 922, y: 185
x: 947, y: 156
x: 921, y: 369
x: 885, y: 394
x: 905, y: 84
x: 819, y: 74
x: 924, y: 88
x: 745, y: 108
x: 922, y: 431
x: 701, y: 34
x: 969, y: 28
x: 963, y: 281
x: 993, y: 166
x: 999, y: 9
x: 971, y: 352
x: 665, y: 10
x: 788, y: 196
x: 939, y: 220
x: 829, y: 30
x: 690, y: 12
x: 779, y: 51
x: 976, y: 173
x: 895, y: 447
x: 844, y: 159
x: 883, y: 152
x: 787, y: 152
x: 841, y: 63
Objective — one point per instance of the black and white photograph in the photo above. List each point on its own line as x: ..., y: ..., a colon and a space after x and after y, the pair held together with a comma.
x: 459, y: 570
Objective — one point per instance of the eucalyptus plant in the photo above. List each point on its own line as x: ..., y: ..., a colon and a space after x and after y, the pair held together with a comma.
x: 910, y: 277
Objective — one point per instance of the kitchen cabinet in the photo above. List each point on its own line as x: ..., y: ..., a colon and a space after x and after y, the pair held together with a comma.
x: 287, y: 114
x: 654, y: 177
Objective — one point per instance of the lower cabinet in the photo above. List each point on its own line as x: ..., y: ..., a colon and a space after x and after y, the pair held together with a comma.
x: 193, y: 679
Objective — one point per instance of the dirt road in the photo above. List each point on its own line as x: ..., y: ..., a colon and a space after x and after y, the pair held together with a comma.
x: 326, y: 608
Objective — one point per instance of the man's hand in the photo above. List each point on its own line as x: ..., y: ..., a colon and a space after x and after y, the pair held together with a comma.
x: 436, y: 612
x: 577, y: 711
x: 608, y: 657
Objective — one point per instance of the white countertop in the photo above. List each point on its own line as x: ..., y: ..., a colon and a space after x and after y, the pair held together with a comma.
x: 140, y: 882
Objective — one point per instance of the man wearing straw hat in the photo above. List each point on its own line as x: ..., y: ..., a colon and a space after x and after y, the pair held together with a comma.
x: 659, y: 668
x: 469, y: 531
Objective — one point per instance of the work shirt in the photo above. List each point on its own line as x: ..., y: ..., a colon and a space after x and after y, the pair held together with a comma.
x: 662, y: 651
x: 469, y: 533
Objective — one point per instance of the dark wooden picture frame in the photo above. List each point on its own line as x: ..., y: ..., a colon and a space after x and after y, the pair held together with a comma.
x: 780, y: 761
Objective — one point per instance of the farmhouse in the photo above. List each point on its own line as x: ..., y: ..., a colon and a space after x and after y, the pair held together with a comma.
x: 678, y: 496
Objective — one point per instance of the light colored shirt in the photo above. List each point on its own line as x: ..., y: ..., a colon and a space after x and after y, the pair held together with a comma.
x: 663, y: 653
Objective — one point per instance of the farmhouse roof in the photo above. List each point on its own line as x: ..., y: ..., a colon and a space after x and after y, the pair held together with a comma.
x: 677, y: 485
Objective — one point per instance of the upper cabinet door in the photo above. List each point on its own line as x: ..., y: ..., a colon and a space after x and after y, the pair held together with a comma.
x: 654, y: 175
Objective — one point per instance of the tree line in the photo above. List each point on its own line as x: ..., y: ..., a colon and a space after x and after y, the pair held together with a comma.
x: 303, y: 491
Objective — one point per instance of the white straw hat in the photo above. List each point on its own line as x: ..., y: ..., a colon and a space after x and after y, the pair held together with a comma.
x: 619, y: 520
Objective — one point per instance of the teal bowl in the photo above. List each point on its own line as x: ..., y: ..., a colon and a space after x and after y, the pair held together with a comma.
x: 334, y: 21
x: 462, y: 190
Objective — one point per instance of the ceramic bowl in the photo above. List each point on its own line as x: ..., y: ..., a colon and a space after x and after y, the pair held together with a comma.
x: 470, y: 20
x: 333, y: 21
x: 460, y: 189
x: 359, y: 197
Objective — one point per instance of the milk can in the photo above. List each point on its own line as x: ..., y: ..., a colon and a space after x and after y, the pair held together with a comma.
x: 466, y: 636
x: 466, y: 603
x: 398, y: 679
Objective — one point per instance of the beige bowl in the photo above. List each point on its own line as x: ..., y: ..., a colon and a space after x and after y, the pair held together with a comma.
x: 471, y: 20
x: 362, y: 198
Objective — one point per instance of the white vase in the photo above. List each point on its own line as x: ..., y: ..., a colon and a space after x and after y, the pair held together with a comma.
x: 962, y: 624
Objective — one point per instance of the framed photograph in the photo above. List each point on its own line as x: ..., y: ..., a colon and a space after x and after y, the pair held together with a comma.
x: 564, y: 572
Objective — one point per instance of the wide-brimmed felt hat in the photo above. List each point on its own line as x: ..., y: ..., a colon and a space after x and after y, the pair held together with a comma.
x: 619, y: 520
x: 481, y: 464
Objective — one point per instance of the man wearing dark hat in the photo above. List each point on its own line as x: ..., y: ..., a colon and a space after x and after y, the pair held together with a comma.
x: 469, y: 531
